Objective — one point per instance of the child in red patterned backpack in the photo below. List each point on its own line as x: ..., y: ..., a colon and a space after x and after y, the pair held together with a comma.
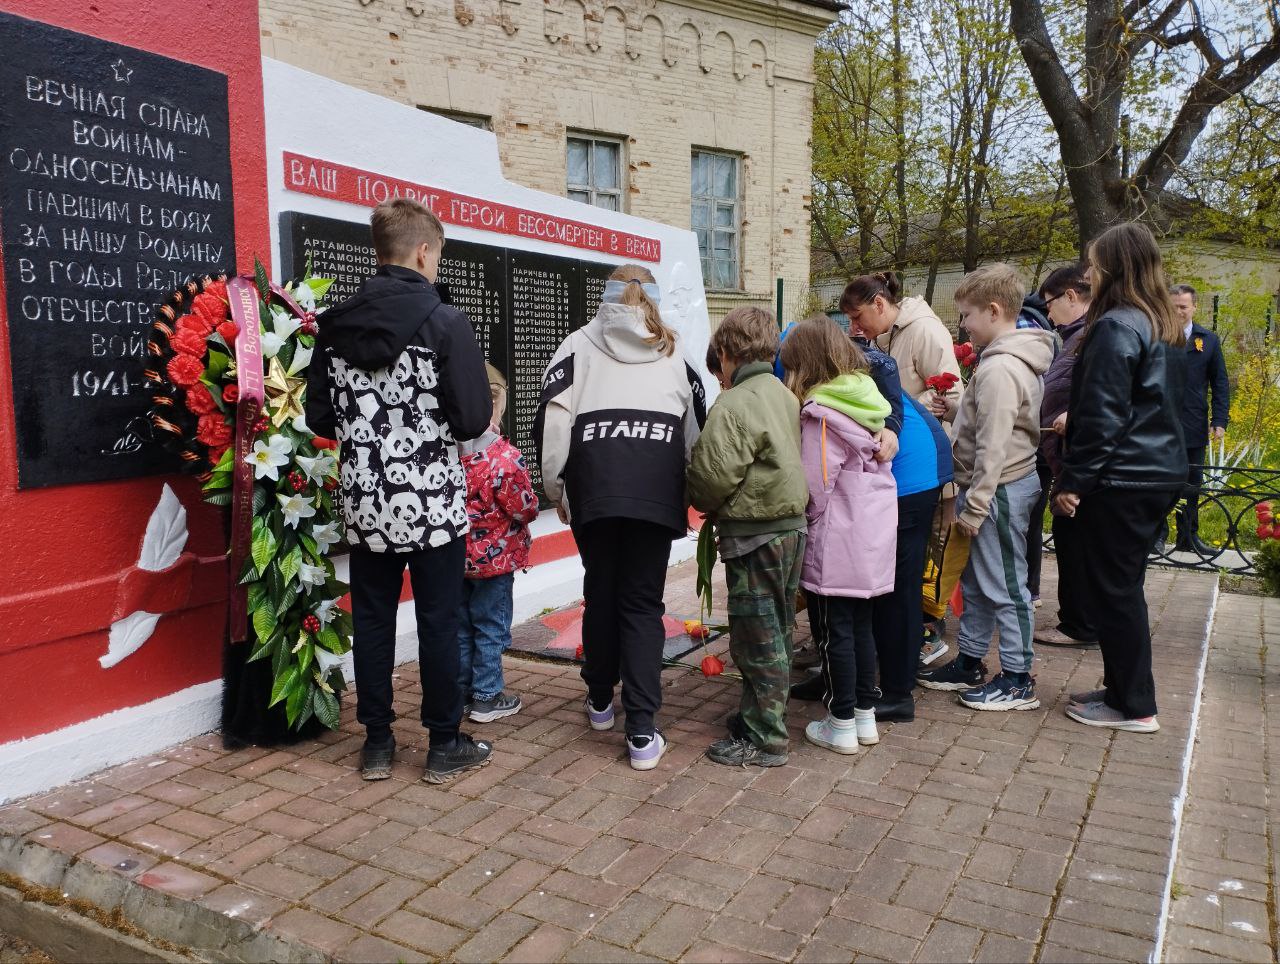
x: 500, y: 504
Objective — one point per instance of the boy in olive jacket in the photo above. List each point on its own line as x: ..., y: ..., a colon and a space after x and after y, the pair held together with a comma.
x: 747, y: 474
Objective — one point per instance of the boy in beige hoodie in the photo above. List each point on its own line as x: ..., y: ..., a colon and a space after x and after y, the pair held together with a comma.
x: 993, y: 447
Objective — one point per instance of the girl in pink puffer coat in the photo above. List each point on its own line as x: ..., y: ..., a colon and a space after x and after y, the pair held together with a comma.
x: 852, y: 516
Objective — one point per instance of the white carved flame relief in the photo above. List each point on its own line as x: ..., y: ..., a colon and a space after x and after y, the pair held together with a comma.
x: 162, y: 545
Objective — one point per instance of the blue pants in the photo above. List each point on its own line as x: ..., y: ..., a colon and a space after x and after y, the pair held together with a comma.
x: 484, y: 633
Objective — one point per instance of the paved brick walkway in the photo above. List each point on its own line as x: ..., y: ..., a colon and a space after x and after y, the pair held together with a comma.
x: 1223, y: 905
x: 962, y: 836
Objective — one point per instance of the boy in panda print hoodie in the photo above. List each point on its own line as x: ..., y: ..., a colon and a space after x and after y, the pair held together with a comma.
x: 398, y: 379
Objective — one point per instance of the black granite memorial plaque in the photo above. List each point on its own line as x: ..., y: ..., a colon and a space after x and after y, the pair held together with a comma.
x: 522, y: 305
x: 115, y: 188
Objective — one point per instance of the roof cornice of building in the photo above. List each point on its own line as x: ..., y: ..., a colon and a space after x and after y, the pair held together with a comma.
x: 806, y: 16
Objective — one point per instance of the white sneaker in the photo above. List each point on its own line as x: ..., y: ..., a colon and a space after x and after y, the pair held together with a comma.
x: 833, y: 734
x: 865, y: 724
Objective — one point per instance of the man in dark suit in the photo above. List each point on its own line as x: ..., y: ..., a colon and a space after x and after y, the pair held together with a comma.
x: 1206, y: 375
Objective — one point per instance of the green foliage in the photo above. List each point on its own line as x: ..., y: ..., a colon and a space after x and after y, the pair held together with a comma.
x: 1267, y: 563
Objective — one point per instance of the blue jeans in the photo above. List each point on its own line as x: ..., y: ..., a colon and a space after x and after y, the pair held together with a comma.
x: 484, y: 633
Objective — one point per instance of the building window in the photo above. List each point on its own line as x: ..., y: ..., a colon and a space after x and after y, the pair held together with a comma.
x: 471, y: 120
x: 714, y: 217
x: 595, y: 171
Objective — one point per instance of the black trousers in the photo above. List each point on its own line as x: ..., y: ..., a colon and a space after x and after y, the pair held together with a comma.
x: 376, y: 578
x: 622, y: 632
x: 1035, y: 530
x: 1074, y: 611
x: 843, y: 634
x: 1116, y: 528
x: 897, y: 619
x: 1189, y: 512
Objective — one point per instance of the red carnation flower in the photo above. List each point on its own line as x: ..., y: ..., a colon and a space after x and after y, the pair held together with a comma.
x: 228, y: 330
x: 712, y: 665
x: 218, y: 289
x: 188, y: 342
x: 214, y: 431
x: 216, y: 454
x: 210, y: 307
x: 199, y: 400
x: 185, y: 371
x: 321, y: 442
x: 231, y: 394
x: 942, y: 383
x: 196, y: 323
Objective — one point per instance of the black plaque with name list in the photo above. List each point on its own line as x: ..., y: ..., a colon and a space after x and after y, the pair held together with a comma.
x: 115, y: 189
x: 521, y: 304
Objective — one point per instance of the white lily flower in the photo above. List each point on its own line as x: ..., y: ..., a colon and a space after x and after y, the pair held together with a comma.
x: 329, y: 534
x: 317, y: 468
x: 310, y: 575
x: 283, y: 325
x: 325, y: 661
x: 324, y: 611
x: 304, y: 296
x: 267, y: 458
x: 301, y: 359
x: 296, y: 508
x: 300, y: 425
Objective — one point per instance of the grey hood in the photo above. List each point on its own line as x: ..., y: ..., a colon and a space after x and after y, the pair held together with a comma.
x: 619, y: 331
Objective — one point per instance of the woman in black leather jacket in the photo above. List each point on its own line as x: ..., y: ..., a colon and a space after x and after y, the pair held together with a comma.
x: 1124, y: 462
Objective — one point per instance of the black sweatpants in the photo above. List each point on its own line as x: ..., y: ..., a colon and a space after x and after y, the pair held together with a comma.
x: 376, y: 579
x: 622, y: 632
x: 842, y: 632
x: 1116, y: 528
x: 1035, y: 531
x: 1075, y: 617
x: 897, y: 619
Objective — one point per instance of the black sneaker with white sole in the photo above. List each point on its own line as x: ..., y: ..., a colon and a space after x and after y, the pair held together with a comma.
x: 445, y: 763
x: 376, y: 759
x: 952, y: 676
x: 486, y: 711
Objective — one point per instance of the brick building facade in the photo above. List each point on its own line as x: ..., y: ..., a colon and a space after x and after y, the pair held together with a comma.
x: 696, y: 113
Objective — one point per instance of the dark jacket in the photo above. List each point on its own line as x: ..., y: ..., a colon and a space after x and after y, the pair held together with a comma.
x: 1206, y: 372
x: 398, y: 379
x: 884, y: 372
x: 1057, y: 393
x: 1123, y: 424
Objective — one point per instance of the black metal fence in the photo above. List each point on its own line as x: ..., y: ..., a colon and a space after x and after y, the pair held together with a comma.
x: 1226, y: 533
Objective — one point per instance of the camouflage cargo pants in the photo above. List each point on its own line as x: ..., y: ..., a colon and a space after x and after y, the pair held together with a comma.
x: 762, y: 612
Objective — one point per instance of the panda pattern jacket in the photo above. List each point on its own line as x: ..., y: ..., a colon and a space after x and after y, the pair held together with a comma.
x: 398, y: 379
x: 616, y: 423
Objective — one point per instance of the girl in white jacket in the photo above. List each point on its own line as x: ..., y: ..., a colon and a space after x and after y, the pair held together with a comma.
x: 619, y: 413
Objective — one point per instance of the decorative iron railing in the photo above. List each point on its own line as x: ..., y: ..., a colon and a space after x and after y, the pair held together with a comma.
x: 1226, y: 531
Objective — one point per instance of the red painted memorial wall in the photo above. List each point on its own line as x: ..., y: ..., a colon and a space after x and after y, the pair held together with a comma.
x: 69, y: 552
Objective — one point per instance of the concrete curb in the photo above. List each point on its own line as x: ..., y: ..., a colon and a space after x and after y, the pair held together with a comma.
x: 53, y: 897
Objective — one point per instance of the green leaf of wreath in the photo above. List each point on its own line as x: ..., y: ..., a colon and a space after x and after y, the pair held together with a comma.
x: 264, y: 621
x: 264, y: 544
x: 308, y: 710
x: 290, y: 564
x: 249, y: 572
x: 262, y: 651
x: 217, y: 366
x: 275, y: 585
x: 319, y: 286
x: 299, y: 692
x: 326, y: 707
x: 305, y: 656
x: 281, y: 658
x: 218, y: 498
x: 260, y: 496
x: 261, y: 281
x: 287, y: 599
x: 331, y: 641
x: 283, y: 685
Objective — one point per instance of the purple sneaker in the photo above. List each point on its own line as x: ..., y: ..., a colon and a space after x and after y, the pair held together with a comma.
x: 600, y: 719
x: 646, y: 751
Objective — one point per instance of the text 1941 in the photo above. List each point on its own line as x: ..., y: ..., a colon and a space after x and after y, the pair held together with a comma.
x: 91, y: 383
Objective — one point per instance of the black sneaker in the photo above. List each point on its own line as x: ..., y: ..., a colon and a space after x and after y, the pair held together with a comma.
x: 895, y: 710
x: 811, y: 689
x: 1002, y: 693
x: 743, y: 753
x: 952, y: 676
x: 375, y: 759
x: 464, y: 754
x: 486, y: 711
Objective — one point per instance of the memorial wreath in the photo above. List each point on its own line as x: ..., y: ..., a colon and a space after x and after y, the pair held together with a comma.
x: 228, y: 360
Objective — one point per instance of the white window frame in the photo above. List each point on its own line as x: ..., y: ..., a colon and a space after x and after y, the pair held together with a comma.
x: 712, y: 203
x: 593, y: 191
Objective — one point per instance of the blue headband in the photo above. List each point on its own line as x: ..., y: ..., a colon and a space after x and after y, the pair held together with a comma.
x: 613, y: 291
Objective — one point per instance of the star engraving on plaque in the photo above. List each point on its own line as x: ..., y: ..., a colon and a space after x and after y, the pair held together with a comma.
x: 122, y: 72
